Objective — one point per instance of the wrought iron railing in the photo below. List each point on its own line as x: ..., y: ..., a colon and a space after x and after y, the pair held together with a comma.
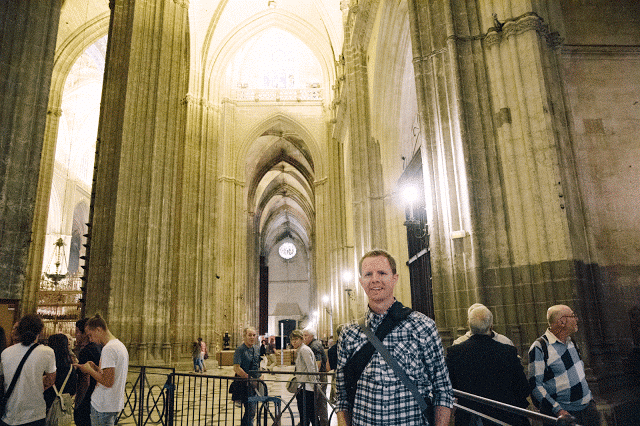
x: 502, y: 407
x: 161, y: 396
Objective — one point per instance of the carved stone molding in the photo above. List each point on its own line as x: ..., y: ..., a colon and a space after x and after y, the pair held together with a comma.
x: 189, y: 99
x: 529, y: 21
x: 231, y: 180
x: 492, y: 38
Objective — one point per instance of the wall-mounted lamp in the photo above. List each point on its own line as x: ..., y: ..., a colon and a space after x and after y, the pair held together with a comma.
x: 414, y: 222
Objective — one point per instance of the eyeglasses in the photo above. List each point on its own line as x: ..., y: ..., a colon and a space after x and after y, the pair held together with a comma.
x: 570, y: 316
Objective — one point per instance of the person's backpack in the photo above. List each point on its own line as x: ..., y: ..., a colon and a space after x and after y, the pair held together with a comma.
x: 61, y: 411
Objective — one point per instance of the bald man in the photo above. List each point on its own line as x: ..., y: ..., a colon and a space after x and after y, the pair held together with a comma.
x: 556, y: 372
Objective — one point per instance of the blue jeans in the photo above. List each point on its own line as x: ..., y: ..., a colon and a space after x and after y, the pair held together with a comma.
x: 250, y: 409
x: 198, y: 364
x: 102, y: 419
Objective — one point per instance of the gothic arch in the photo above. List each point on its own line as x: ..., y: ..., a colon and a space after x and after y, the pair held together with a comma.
x: 389, y: 72
x: 279, y: 119
x: 216, y: 62
x: 71, y: 49
x: 64, y: 59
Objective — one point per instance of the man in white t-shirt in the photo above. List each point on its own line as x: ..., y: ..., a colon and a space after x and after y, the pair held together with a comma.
x: 26, y: 405
x: 107, y: 399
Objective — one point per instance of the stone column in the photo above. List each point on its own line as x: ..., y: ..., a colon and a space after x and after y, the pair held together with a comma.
x: 139, y: 164
x: 28, y: 37
x: 231, y: 222
x: 444, y: 164
x: 500, y: 167
x: 368, y: 210
x: 41, y: 211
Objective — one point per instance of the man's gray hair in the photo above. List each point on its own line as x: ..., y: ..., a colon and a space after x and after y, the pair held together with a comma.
x: 555, y: 312
x: 310, y: 331
x: 480, y: 320
x: 472, y: 307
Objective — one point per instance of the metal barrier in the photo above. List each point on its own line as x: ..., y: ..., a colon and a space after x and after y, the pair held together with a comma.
x: 160, y: 396
x: 532, y: 415
x: 147, y: 398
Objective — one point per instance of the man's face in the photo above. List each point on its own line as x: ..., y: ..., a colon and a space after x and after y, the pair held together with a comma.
x: 81, y: 338
x: 307, y: 337
x: 377, y: 279
x: 94, y: 334
x: 250, y: 337
x: 570, y: 321
x: 296, y: 343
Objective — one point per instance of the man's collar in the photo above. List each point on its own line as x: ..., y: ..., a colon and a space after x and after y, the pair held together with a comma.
x: 481, y: 336
x: 554, y: 339
x: 371, y: 311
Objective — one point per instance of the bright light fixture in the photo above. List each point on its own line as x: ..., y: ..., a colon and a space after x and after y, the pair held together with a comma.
x: 410, y: 194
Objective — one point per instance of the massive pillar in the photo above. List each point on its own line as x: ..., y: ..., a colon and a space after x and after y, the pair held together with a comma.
x: 508, y: 225
x: 368, y: 206
x: 27, y: 44
x: 132, y: 279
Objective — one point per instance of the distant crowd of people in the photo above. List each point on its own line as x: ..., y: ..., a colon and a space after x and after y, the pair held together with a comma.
x: 95, y: 373
x: 390, y: 368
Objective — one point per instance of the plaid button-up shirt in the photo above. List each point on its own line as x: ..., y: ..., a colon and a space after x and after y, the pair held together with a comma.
x: 382, y: 398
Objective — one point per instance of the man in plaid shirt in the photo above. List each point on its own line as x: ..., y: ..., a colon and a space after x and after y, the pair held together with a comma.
x: 381, y: 398
x: 556, y: 372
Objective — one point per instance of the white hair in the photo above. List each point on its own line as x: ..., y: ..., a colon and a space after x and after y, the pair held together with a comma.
x: 555, y: 312
x: 472, y: 307
x: 480, y: 320
x: 310, y: 331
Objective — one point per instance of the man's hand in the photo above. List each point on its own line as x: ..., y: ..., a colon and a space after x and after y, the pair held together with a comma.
x: 565, y: 419
x: 344, y: 418
x: 48, y: 379
x: 87, y: 367
x: 105, y: 377
x: 442, y: 415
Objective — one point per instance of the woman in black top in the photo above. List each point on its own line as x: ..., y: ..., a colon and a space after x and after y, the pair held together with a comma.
x: 60, y: 345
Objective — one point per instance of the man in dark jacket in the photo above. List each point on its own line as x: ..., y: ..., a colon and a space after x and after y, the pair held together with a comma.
x: 484, y: 367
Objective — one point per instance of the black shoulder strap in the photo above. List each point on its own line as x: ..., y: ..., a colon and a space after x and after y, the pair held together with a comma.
x: 18, y: 371
x: 397, y: 369
x: 356, y: 364
x: 545, y: 356
x: 545, y: 349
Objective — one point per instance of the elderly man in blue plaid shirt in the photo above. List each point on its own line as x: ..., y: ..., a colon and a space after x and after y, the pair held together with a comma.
x: 556, y: 371
x: 381, y: 398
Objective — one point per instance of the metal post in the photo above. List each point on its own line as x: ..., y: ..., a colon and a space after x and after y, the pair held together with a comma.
x: 143, y: 379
